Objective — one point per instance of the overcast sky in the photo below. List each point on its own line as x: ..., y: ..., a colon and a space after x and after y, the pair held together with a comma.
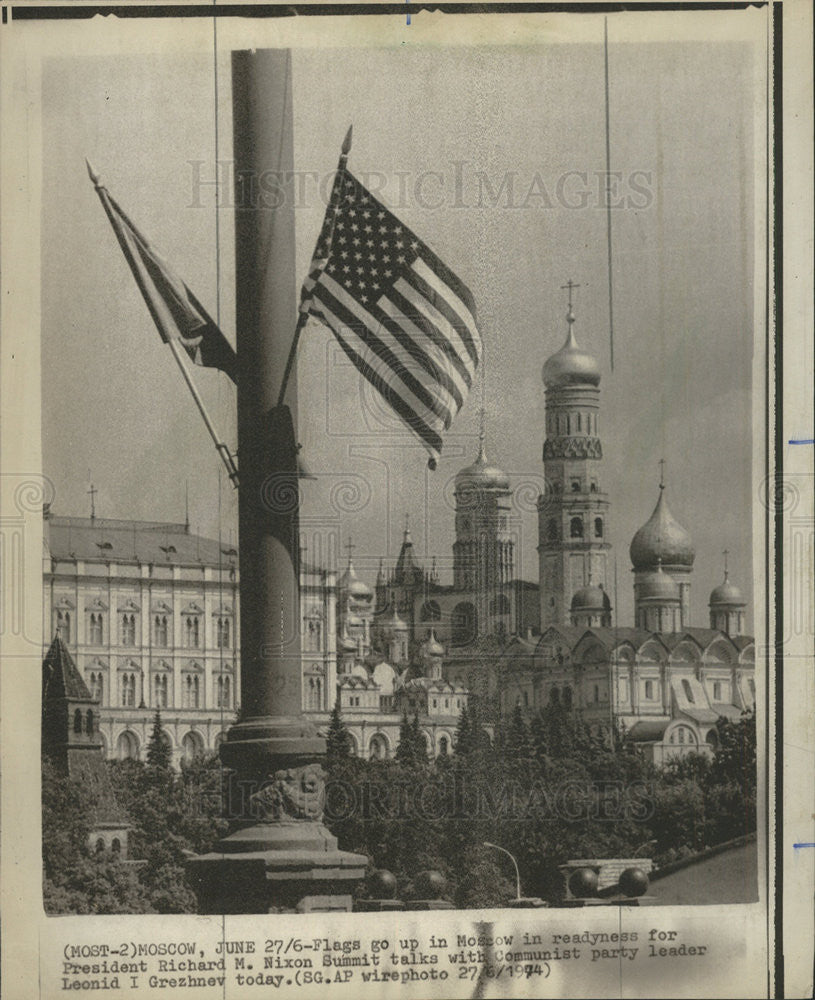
x: 439, y: 129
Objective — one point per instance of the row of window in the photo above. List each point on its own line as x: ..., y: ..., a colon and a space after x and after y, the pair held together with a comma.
x: 162, y: 630
x: 576, y: 528
x: 192, y: 745
x: 191, y: 688
x: 561, y: 424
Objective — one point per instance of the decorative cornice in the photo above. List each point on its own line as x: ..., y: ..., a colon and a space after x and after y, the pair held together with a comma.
x: 572, y: 447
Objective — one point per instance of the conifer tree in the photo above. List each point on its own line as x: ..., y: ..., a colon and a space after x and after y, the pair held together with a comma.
x: 338, y: 739
x: 464, y: 733
x: 159, y: 754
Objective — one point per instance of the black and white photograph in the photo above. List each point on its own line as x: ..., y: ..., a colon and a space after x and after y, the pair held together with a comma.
x: 407, y: 500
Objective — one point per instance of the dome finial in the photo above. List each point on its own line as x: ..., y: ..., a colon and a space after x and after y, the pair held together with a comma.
x: 349, y: 545
x: 570, y: 285
x: 482, y: 435
x: 661, y: 464
x: 725, y: 553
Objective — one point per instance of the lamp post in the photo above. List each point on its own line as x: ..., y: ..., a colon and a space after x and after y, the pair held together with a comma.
x: 503, y: 850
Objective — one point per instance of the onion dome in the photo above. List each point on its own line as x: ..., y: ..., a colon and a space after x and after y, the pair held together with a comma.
x: 589, y: 599
x: 658, y: 586
x: 351, y: 583
x: 727, y: 593
x: 570, y: 365
x: 394, y: 624
x: 346, y: 644
x: 481, y: 474
x: 431, y: 646
x: 661, y: 539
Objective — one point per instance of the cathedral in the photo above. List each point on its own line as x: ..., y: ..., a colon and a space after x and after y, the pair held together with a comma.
x: 150, y: 611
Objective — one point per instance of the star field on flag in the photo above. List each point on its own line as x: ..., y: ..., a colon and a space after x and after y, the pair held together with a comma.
x: 404, y: 319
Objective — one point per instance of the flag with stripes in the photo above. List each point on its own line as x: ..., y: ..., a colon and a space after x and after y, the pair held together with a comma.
x: 404, y: 319
x: 177, y: 313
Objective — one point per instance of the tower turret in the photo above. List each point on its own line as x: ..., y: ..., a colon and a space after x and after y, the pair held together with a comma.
x: 573, y: 540
x: 727, y: 605
x: 484, y: 550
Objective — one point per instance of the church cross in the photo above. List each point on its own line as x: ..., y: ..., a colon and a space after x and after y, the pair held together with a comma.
x: 725, y: 553
x: 349, y: 545
x: 661, y: 464
x: 570, y: 285
x: 92, y: 493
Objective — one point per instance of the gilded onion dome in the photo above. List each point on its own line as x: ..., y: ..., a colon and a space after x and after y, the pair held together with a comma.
x: 481, y: 474
x: 727, y: 593
x: 589, y: 599
x: 431, y: 646
x: 351, y: 583
x: 394, y: 625
x: 658, y: 585
x: 661, y: 539
x: 571, y: 365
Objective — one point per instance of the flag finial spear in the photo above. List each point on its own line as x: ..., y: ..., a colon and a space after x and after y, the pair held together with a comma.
x: 92, y: 173
x: 346, y: 142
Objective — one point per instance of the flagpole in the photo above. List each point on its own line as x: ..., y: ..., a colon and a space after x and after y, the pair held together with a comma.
x: 223, y: 451
x: 302, y: 319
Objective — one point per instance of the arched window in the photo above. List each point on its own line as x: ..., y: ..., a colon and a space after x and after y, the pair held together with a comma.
x: 579, y: 423
x: 128, y: 686
x: 431, y: 612
x: 576, y: 527
x: 465, y: 624
x: 96, y: 684
x: 222, y: 633
x: 444, y: 746
x: 128, y: 630
x: 223, y: 692
x: 100, y: 846
x: 717, y: 690
x: 78, y: 721
x: 552, y: 530
x: 649, y: 690
x: 95, y: 630
x: 64, y: 625
x: 687, y: 689
x: 192, y: 746
x: 160, y: 690
x: 567, y: 697
x: 160, y: 631
x: 593, y: 487
x: 191, y: 631
x: 554, y: 696
x: 89, y: 722
x: 596, y: 692
x: 128, y: 746
x: 378, y: 749
x: 526, y: 699
x: 575, y: 486
x: 598, y: 527
x: 314, y: 635
x: 116, y: 846
x: 192, y: 690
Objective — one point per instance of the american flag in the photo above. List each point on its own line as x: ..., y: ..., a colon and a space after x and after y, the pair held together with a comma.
x: 400, y: 314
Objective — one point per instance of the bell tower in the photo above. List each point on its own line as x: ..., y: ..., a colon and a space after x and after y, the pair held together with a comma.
x: 573, y: 543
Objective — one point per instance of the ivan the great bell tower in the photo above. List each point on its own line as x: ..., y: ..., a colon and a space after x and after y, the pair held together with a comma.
x: 573, y: 541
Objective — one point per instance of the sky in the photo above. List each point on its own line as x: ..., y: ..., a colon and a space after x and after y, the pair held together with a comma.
x: 493, y: 155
